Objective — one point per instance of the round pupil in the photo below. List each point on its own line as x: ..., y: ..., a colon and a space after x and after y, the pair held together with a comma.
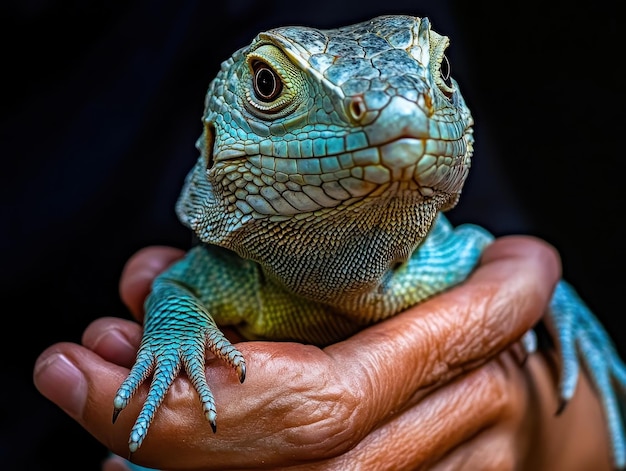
x: 265, y: 83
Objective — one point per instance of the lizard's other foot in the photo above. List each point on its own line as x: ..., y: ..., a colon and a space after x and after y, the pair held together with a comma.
x: 581, y: 337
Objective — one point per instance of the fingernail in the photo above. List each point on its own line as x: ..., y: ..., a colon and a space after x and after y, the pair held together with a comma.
x: 114, y: 341
x: 58, y: 379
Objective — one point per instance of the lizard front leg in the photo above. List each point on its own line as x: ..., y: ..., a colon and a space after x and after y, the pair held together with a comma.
x: 179, y: 328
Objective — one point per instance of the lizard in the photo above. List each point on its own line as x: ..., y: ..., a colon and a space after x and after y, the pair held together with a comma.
x: 327, y: 158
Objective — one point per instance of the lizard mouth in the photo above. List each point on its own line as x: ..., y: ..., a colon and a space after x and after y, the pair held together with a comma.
x: 273, y: 185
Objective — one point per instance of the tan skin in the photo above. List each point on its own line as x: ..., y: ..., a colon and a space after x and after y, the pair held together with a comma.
x: 444, y: 385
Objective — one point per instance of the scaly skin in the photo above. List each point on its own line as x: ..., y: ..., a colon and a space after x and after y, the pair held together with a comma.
x: 327, y: 157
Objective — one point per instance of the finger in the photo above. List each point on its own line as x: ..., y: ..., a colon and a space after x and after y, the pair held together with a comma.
x: 139, y: 272
x: 59, y: 375
x: 489, y: 450
x: 504, y: 440
x: 451, y: 333
x: 115, y: 340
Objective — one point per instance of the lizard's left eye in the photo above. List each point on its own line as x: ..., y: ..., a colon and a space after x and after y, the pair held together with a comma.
x: 267, y: 83
x: 441, y: 70
x: 442, y: 76
x: 444, y: 71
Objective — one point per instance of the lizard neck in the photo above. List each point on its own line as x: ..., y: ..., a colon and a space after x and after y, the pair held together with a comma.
x: 342, y: 255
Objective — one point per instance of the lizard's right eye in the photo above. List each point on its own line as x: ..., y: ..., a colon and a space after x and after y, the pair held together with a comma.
x: 273, y: 86
x: 267, y: 83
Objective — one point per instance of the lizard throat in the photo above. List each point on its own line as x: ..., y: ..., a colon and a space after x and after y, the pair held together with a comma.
x: 342, y: 255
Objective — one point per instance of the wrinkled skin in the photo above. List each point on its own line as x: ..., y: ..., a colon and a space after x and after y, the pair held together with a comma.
x: 444, y: 385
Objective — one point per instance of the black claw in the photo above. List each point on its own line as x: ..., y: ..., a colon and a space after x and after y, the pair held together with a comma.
x: 562, y: 404
x: 116, y: 412
x: 213, y: 427
x: 242, y: 375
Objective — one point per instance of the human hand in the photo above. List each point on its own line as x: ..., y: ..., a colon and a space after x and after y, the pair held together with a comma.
x: 434, y: 386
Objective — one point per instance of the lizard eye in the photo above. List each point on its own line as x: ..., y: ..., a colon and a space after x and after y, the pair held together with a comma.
x: 267, y: 84
x: 444, y: 71
x: 442, y: 77
x: 273, y: 86
x: 440, y: 65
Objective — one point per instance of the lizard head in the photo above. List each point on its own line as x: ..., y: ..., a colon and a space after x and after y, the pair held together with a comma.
x: 318, y: 144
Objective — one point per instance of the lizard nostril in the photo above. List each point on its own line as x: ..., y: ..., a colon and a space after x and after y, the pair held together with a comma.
x: 357, y: 108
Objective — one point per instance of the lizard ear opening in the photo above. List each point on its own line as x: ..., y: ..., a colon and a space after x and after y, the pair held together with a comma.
x: 208, y: 138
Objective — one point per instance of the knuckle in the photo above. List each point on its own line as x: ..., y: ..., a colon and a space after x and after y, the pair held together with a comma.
x: 331, y: 421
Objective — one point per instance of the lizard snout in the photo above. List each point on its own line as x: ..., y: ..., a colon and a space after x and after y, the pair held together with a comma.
x: 401, y: 118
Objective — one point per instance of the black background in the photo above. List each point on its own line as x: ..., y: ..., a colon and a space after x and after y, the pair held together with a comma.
x: 101, y: 109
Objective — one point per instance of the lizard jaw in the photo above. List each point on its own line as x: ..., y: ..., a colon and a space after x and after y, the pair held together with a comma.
x: 265, y: 186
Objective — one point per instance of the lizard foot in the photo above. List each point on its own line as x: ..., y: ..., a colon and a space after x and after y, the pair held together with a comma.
x: 581, y: 337
x: 167, y: 347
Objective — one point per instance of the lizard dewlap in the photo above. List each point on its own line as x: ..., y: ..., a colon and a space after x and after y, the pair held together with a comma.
x: 327, y: 158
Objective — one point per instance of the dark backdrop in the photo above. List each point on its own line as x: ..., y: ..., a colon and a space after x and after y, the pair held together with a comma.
x: 101, y: 109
